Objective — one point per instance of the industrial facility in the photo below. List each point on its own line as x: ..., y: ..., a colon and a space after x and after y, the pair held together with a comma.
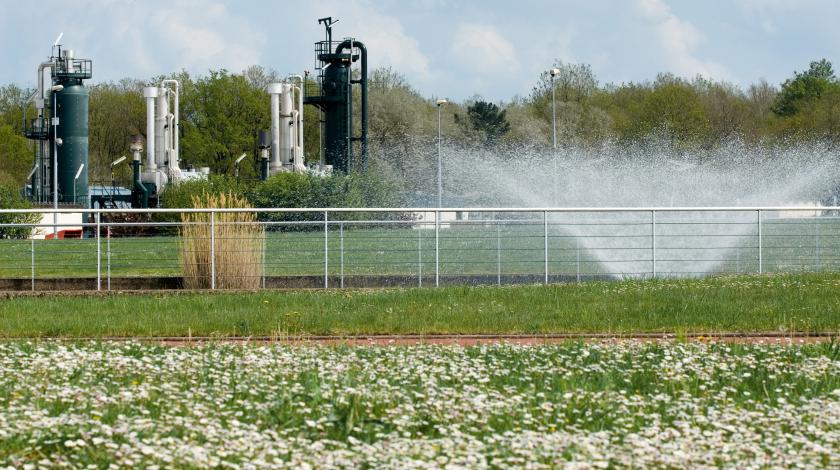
x: 60, y: 129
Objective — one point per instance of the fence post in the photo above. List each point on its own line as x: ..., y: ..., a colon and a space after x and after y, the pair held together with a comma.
x: 577, y: 245
x: 33, y: 263
x: 545, y: 243
x: 817, y: 243
x: 760, y: 254
x: 341, y: 248
x: 326, y: 251
x: 108, y: 248
x: 264, y: 249
x: 212, y: 249
x: 498, y: 251
x: 420, y: 255
x: 437, y: 248
x: 98, y: 252
x: 653, y: 243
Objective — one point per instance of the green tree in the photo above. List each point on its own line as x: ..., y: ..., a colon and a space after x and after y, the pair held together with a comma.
x: 804, y: 86
x: 117, y: 112
x: 222, y: 115
x: 16, y: 159
x: 10, y: 198
x: 488, y: 121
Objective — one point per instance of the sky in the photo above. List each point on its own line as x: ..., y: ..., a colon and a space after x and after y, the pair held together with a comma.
x: 456, y: 49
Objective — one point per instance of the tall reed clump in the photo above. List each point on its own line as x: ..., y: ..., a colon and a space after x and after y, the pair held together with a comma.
x: 238, y: 240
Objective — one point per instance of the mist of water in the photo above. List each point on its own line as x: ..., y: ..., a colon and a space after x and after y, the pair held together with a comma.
x: 653, y: 174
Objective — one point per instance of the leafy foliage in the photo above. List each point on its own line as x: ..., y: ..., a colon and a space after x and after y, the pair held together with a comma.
x: 488, y: 121
x: 10, y: 199
x: 804, y: 87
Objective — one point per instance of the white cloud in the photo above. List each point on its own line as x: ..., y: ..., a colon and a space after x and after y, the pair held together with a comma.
x: 147, y: 38
x: 679, y: 39
x: 484, y: 49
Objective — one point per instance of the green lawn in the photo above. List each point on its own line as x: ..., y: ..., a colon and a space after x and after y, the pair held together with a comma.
x: 777, y: 303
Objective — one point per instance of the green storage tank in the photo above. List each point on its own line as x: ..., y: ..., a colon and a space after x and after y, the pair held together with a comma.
x: 72, y: 111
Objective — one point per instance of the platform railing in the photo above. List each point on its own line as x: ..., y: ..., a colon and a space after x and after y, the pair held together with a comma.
x: 119, y: 249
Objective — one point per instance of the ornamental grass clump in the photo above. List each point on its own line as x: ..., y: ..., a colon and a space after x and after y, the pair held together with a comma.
x: 236, y: 240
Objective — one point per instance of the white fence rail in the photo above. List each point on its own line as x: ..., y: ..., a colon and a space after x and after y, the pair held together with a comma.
x: 353, y: 247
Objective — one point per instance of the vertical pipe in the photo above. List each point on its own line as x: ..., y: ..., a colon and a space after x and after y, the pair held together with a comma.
x: 545, y: 243
x: 326, y: 251
x: 577, y: 243
x: 98, y: 252
x: 150, y: 93
x: 275, y: 89
x: 341, y: 250
x: 437, y: 248
x: 212, y: 249
x: 760, y: 254
x: 653, y: 243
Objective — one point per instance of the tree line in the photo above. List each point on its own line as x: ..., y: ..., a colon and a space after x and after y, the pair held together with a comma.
x: 223, y: 112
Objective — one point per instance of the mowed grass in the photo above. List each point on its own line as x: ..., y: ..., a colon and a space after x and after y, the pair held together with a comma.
x: 585, y: 246
x: 805, y: 303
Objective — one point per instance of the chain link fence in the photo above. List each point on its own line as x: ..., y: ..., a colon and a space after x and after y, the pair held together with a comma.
x: 340, y: 248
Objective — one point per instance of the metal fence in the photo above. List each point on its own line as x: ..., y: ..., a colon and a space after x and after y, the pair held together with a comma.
x: 364, y: 247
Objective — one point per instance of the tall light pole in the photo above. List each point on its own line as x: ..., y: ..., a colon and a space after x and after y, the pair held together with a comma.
x: 554, y: 72
x: 440, y: 104
x: 55, y: 89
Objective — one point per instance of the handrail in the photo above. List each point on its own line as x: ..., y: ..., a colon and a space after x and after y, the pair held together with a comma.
x: 419, y: 209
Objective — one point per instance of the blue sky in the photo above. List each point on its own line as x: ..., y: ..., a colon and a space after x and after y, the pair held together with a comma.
x: 450, y: 48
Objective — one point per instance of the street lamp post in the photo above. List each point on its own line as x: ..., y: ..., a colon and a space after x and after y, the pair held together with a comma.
x: 554, y: 72
x: 55, y: 89
x: 237, y: 162
x: 440, y: 104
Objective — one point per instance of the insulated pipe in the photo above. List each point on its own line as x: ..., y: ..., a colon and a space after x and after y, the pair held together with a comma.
x: 300, y: 89
x: 174, y: 159
x: 150, y: 93
x: 161, y: 118
x: 275, y: 89
x: 350, y: 44
x: 287, y: 134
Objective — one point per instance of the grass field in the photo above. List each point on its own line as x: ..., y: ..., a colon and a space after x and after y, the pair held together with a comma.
x: 599, y: 405
x: 618, y: 247
x: 770, y: 303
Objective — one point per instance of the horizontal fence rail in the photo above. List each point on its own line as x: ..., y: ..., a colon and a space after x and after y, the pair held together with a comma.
x: 119, y: 249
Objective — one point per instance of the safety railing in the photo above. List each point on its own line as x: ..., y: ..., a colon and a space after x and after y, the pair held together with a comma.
x: 114, y: 249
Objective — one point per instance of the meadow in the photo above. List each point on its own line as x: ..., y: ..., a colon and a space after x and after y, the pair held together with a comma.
x: 620, y: 405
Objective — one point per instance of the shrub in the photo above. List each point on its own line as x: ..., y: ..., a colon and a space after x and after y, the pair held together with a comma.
x: 10, y: 199
x: 238, y: 245
x: 290, y: 190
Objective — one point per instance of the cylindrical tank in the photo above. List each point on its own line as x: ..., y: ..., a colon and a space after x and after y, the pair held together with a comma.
x: 72, y: 111
x: 336, y: 122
